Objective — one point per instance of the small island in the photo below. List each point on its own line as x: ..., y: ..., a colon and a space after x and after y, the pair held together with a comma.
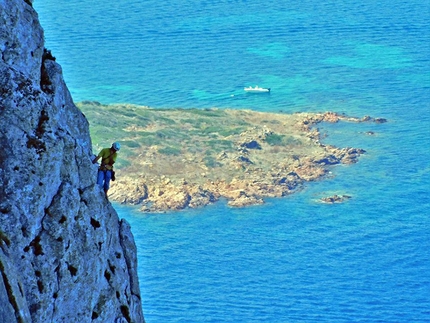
x: 173, y: 159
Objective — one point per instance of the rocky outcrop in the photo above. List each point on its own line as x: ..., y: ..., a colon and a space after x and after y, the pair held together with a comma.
x: 64, y: 254
x: 335, y: 199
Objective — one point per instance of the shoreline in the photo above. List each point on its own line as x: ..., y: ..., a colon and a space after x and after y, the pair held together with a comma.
x: 188, y: 158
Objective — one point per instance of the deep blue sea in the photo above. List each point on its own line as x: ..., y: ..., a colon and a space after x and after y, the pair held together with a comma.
x: 292, y: 259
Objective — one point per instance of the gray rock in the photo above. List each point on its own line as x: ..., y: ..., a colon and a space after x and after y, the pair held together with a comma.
x: 244, y: 159
x: 65, y: 256
x: 251, y: 144
x: 328, y: 160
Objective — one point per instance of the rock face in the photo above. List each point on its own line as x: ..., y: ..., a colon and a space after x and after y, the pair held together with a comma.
x: 64, y: 254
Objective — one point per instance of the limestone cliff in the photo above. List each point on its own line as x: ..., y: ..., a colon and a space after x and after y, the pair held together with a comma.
x: 64, y: 254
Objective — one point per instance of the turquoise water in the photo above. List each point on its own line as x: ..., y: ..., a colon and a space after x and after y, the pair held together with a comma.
x: 291, y: 259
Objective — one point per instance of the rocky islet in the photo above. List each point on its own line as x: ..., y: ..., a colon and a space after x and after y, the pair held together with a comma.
x: 197, y: 157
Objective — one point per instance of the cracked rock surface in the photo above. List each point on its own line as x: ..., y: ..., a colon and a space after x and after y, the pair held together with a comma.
x: 65, y: 256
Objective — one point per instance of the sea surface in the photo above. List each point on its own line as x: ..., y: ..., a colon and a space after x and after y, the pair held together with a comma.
x: 292, y: 259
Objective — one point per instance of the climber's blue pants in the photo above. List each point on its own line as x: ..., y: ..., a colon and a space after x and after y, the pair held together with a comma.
x: 103, y: 179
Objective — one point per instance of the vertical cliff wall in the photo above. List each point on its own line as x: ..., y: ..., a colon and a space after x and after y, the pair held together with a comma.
x: 64, y: 254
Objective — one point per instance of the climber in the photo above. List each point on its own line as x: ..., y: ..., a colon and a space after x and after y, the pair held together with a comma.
x: 106, y: 172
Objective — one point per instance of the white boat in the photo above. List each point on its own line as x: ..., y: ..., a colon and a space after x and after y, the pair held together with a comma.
x: 256, y: 89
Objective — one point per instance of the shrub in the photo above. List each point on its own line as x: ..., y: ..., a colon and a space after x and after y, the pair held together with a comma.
x: 130, y: 143
x: 233, y: 131
x: 211, y: 162
x: 170, y: 151
x: 275, y: 139
x: 221, y: 144
x: 207, y: 112
x: 282, y: 140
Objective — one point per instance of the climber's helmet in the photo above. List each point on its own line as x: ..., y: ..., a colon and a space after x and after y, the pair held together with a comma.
x: 116, y: 146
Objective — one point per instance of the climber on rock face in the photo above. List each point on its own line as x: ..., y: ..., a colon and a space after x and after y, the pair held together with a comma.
x: 106, y: 172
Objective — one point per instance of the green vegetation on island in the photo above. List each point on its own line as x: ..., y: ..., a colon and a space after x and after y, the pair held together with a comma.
x: 177, y: 158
